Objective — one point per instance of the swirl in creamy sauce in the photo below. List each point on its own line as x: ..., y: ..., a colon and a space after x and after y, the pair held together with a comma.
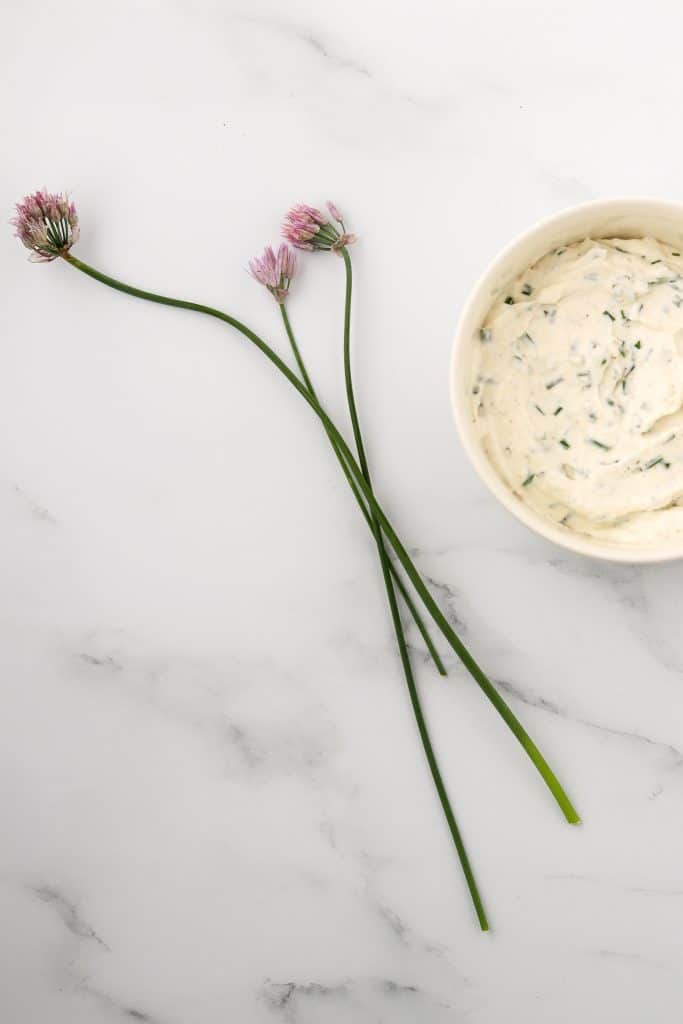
x: 577, y: 389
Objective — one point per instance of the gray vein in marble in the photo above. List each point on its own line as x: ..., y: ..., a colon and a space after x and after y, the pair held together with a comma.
x: 77, y: 926
x: 120, y: 1008
x: 280, y: 995
x: 239, y: 739
x: 542, y: 704
x: 34, y: 507
x: 620, y: 954
x: 645, y: 891
x: 405, y: 933
x: 104, y: 661
x: 565, y: 186
x: 396, y: 924
x: 626, y: 583
x: 628, y: 957
x: 417, y: 650
x: 601, y: 882
x: 198, y: 698
x: 68, y: 913
x: 628, y: 587
x: 285, y: 998
x: 512, y: 690
x: 448, y: 595
x: 322, y: 49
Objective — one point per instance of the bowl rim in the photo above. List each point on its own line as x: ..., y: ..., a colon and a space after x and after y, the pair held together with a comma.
x: 578, y: 544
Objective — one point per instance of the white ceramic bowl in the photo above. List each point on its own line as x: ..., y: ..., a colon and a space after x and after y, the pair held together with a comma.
x: 602, y: 218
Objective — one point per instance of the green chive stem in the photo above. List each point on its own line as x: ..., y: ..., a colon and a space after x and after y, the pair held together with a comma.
x: 438, y: 616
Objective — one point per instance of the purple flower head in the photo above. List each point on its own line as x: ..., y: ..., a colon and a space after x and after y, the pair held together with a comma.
x: 275, y: 270
x: 334, y: 211
x: 47, y: 224
x: 308, y: 228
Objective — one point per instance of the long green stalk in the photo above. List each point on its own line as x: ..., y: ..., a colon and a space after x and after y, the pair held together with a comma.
x: 410, y: 604
x: 395, y: 616
x: 393, y: 607
x: 430, y: 604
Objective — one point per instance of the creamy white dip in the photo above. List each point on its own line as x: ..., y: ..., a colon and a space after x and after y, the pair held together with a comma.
x: 577, y: 388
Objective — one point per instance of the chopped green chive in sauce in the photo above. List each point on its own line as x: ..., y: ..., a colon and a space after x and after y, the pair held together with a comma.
x: 652, y: 262
x: 638, y: 343
x: 626, y: 376
x: 509, y: 301
x: 606, y: 312
x: 653, y: 462
x: 619, y: 249
x: 565, y: 444
x: 675, y: 254
x: 599, y: 444
x: 484, y: 334
x: 623, y: 315
x: 526, y: 289
x: 558, y: 411
x: 553, y: 383
x: 539, y: 409
x: 528, y: 479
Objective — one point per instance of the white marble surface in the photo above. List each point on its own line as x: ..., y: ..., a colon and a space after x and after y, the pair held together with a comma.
x: 214, y: 805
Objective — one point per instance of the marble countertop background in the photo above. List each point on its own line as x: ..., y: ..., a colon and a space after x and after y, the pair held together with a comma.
x: 213, y: 800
